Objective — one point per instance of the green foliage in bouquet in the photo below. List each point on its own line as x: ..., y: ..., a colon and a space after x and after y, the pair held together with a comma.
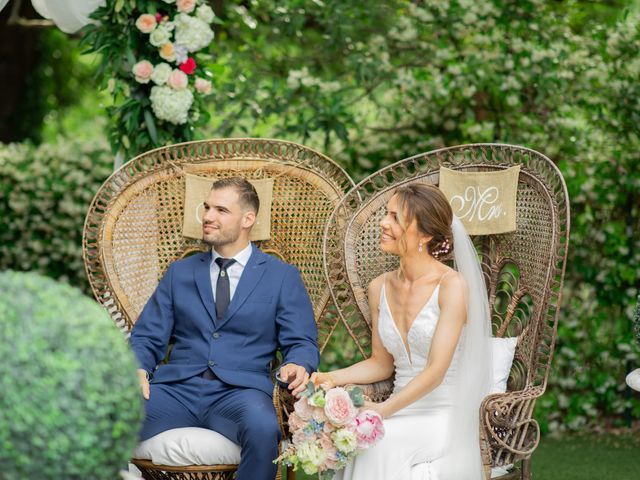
x: 153, y: 52
x: 45, y: 193
x: 70, y: 405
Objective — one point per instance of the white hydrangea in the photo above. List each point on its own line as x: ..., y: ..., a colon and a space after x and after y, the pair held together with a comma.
x: 194, y: 33
x: 159, y: 36
x: 171, y: 105
x: 205, y: 13
x: 161, y: 73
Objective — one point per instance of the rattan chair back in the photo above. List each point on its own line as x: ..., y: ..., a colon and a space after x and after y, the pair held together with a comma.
x: 523, y: 272
x: 133, y: 229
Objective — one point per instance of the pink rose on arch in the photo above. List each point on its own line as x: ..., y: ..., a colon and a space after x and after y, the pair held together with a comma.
x: 303, y: 409
x: 178, y: 80
x: 142, y: 71
x: 203, y: 86
x: 369, y: 428
x: 186, y: 6
x: 146, y: 23
x: 338, y: 407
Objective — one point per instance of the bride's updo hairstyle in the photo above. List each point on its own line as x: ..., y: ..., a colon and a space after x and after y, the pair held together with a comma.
x: 427, y: 205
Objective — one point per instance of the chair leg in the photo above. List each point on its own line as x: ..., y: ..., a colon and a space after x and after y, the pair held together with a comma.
x: 291, y: 475
x: 526, y: 469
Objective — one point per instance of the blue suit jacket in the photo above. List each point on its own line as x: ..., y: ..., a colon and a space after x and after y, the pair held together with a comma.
x: 270, y: 310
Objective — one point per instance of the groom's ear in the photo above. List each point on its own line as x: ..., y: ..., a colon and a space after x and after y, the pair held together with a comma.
x: 249, y: 219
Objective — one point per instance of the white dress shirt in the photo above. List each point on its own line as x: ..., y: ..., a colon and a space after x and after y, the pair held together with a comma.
x: 234, y: 271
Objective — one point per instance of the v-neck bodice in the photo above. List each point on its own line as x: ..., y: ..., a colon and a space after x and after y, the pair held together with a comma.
x: 412, y: 360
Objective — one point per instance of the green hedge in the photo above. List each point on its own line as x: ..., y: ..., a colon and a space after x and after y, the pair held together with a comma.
x: 45, y: 193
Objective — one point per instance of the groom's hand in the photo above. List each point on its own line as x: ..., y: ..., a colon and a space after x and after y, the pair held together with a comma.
x: 144, y: 383
x: 296, y: 376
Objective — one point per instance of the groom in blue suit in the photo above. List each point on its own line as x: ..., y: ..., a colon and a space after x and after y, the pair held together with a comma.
x: 227, y: 312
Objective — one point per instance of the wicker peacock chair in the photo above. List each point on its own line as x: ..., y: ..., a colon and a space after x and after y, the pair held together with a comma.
x: 523, y: 271
x: 133, y: 231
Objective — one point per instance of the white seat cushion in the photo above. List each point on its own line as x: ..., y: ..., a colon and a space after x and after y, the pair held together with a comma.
x: 633, y: 379
x: 189, y: 446
x: 497, y: 472
x: 503, y: 351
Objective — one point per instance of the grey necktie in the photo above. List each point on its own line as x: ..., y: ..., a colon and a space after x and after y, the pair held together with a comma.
x: 223, y: 290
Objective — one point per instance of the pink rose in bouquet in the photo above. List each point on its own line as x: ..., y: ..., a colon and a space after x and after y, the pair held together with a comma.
x: 295, y: 422
x: 303, y: 409
x: 339, y: 407
x: 369, y: 428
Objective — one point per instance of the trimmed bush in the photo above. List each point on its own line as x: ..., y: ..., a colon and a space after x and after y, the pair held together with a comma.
x: 70, y: 406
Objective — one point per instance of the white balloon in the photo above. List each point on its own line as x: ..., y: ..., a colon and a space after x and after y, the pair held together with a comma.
x: 69, y: 15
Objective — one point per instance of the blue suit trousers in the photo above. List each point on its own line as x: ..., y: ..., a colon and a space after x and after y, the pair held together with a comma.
x: 245, y: 416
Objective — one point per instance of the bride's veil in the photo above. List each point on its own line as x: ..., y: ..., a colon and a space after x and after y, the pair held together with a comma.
x: 463, y: 460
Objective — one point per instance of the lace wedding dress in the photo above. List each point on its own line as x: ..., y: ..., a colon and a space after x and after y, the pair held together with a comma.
x: 417, y: 437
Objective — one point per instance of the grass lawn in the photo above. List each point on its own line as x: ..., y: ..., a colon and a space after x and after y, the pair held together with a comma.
x: 596, y: 457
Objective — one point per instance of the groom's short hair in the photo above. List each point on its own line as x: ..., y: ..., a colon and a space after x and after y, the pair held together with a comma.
x: 246, y: 191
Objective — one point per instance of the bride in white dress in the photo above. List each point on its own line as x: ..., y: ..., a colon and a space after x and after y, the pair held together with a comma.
x: 430, y: 326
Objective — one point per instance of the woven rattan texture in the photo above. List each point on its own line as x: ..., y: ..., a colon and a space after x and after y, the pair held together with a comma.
x: 133, y: 230
x: 150, y: 471
x: 523, y: 271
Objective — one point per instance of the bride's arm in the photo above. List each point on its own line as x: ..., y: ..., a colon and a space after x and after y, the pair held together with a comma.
x: 453, y: 315
x: 377, y: 367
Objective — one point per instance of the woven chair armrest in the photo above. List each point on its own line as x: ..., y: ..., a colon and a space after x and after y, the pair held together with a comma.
x: 376, y: 392
x: 508, y: 423
x: 283, y: 402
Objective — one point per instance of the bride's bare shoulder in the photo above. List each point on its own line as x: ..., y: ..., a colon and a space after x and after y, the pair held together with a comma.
x: 453, y: 286
x: 374, y: 289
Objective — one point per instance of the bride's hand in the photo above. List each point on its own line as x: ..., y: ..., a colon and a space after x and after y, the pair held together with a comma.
x: 379, y: 408
x: 323, y: 378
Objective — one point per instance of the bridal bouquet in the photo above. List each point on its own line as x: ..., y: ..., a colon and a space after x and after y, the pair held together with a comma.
x: 329, y: 427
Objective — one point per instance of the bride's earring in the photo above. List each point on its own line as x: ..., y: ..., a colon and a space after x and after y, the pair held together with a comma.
x: 420, y: 247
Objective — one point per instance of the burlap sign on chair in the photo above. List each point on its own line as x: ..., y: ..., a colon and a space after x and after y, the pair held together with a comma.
x: 484, y: 201
x: 196, y: 191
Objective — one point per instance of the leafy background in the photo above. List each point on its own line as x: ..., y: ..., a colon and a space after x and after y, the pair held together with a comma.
x: 370, y: 83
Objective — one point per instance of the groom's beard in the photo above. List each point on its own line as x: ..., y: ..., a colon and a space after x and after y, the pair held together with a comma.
x: 220, y: 237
